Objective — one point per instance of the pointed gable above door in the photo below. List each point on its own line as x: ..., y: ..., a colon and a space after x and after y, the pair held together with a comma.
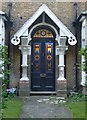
x: 24, y: 29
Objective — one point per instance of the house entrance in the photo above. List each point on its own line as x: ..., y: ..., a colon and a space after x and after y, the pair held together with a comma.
x: 43, y: 61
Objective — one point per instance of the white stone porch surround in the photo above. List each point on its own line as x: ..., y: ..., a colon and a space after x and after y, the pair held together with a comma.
x: 61, y: 39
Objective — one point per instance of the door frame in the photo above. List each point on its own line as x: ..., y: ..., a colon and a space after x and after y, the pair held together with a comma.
x: 53, y: 32
x: 53, y: 72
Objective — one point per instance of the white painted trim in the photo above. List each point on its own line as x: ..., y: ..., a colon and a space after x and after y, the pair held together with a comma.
x: 25, y: 33
x: 83, y: 43
x: 2, y: 31
x: 83, y: 17
x: 27, y: 24
x: 42, y: 92
x: 2, y: 16
x: 86, y: 31
x: 1, y: 12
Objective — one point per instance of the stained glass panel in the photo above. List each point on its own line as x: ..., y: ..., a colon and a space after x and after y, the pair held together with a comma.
x: 37, y: 56
x: 49, y: 52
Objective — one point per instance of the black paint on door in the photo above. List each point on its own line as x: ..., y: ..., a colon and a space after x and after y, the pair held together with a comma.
x: 43, y: 64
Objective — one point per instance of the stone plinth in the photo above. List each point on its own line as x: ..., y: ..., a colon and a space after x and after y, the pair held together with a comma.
x: 24, y: 88
x: 62, y: 88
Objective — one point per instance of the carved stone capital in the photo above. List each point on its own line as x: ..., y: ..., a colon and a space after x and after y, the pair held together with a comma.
x: 60, y: 50
x: 25, y: 49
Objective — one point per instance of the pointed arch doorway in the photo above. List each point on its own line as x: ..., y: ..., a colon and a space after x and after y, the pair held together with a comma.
x: 43, y: 59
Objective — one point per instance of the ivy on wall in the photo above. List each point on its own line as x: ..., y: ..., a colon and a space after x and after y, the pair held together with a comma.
x: 4, y: 72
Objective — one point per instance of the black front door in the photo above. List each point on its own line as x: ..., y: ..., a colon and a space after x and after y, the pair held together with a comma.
x: 43, y: 64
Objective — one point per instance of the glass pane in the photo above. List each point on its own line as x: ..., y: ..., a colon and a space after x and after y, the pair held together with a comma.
x: 37, y: 56
x: 49, y: 59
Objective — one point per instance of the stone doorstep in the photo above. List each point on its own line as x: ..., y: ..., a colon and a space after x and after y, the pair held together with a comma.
x: 43, y: 92
x: 60, y: 93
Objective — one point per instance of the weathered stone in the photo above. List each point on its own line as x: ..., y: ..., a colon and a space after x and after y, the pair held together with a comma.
x: 24, y: 88
x: 62, y: 88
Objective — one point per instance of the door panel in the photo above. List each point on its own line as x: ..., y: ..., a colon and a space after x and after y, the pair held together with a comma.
x: 43, y: 65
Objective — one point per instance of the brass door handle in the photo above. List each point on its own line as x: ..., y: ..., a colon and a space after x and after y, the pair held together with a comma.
x: 42, y: 75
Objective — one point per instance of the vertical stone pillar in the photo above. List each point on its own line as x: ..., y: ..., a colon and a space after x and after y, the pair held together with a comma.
x: 61, y: 63
x: 61, y: 81
x: 24, y: 84
x: 24, y: 67
x: 83, y: 43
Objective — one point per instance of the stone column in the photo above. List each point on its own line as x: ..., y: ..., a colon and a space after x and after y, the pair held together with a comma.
x: 24, y: 84
x: 24, y: 67
x: 61, y: 81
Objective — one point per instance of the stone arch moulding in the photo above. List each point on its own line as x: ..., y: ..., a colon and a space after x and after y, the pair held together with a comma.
x: 16, y: 38
x: 45, y: 24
